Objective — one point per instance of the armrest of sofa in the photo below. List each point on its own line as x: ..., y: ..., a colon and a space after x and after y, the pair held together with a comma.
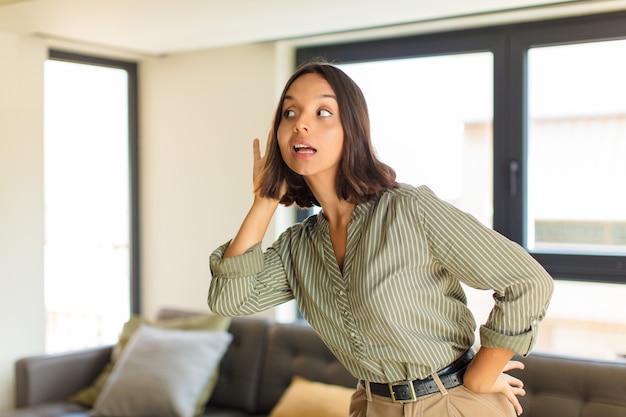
x: 54, y: 377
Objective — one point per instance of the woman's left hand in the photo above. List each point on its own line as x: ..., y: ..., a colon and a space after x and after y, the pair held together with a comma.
x: 487, y: 374
x: 510, y: 386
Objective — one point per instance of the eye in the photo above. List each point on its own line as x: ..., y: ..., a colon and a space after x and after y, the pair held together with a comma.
x: 324, y: 113
x: 288, y: 113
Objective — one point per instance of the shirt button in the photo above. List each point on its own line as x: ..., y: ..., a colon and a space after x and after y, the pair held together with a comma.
x: 352, y: 334
x: 341, y: 292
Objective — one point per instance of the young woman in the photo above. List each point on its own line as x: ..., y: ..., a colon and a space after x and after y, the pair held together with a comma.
x: 377, y: 273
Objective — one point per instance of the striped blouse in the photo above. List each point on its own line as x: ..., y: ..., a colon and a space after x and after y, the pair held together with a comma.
x: 397, y: 311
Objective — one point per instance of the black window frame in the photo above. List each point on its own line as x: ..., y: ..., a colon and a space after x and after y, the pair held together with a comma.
x: 133, y: 155
x: 509, y: 45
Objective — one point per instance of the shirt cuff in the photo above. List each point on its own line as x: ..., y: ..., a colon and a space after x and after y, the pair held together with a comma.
x: 248, y: 263
x: 521, y: 344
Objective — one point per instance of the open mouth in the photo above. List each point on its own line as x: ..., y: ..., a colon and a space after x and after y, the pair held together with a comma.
x: 304, y: 149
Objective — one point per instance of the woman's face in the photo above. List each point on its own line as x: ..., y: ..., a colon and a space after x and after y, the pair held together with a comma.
x: 310, y: 134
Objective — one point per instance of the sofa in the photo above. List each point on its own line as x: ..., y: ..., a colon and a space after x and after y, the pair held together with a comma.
x: 260, y: 364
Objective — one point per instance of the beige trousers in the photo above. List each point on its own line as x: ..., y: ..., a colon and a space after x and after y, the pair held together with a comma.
x: 456, y: 402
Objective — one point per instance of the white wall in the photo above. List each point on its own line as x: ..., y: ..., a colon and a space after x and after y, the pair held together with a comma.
x: 21, y: 204
x: 199, y: 114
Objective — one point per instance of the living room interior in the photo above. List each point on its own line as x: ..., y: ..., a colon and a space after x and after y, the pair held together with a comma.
x: 208, y: 77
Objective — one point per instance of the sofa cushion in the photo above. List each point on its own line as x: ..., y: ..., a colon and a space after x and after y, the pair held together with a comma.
x: 304, y: 398
x: 162, y: 372
x: 561, y: 386
x: 238, y: 386
x: 296, y: 350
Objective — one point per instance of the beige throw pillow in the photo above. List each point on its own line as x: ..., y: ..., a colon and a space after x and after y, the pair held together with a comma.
x: 161, y: 373
x: 304, y: 398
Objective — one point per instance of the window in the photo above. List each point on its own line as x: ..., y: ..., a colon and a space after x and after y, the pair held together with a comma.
x: 553, y: 143
x: 90, y: 252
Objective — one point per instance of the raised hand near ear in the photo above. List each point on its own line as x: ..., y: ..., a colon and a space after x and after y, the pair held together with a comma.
x: 257, y: 168
x: 258, y: 218
x: 258, y: 162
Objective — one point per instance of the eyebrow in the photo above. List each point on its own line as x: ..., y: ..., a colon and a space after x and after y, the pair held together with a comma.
x: 289, y: 97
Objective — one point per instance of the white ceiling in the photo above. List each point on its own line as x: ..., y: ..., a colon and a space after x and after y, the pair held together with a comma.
x: 158, y: 27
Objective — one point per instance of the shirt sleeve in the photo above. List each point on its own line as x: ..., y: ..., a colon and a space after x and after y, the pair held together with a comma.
x: 248, y: 283
x: 484, y: 259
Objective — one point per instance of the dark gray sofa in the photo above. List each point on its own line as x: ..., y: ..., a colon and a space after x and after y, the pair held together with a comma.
x: 265, y: 355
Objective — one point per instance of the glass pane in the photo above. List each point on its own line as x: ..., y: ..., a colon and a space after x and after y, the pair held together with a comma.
x: 577, y: 148
x: 433, y: 124
x: 87, y: 234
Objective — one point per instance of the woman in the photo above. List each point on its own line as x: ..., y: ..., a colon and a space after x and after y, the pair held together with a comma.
x: 377, y: 273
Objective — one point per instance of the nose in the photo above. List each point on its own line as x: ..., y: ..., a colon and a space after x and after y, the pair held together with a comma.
x: 301, y: 124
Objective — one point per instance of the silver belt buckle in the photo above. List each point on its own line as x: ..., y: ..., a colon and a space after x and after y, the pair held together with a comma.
x: 402, y: 392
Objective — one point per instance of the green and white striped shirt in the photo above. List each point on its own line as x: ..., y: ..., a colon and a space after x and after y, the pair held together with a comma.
x: 397, y: 311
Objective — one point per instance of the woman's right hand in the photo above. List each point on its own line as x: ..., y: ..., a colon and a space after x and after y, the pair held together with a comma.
x: 257, y: 167
x: 257, y: 220
x: 258, y: 160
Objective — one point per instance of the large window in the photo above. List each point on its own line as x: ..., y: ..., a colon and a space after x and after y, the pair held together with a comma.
x: 90, y: 252
x: 540, y: 158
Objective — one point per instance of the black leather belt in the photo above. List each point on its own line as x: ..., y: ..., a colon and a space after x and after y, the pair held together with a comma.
x: 407, y: 391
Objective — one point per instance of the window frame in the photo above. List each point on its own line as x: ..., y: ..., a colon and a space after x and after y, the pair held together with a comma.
x: 133, y: 155
x: 509, y: 45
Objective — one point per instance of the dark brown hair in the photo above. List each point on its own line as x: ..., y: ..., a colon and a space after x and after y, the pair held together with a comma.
x: 361, y: 175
